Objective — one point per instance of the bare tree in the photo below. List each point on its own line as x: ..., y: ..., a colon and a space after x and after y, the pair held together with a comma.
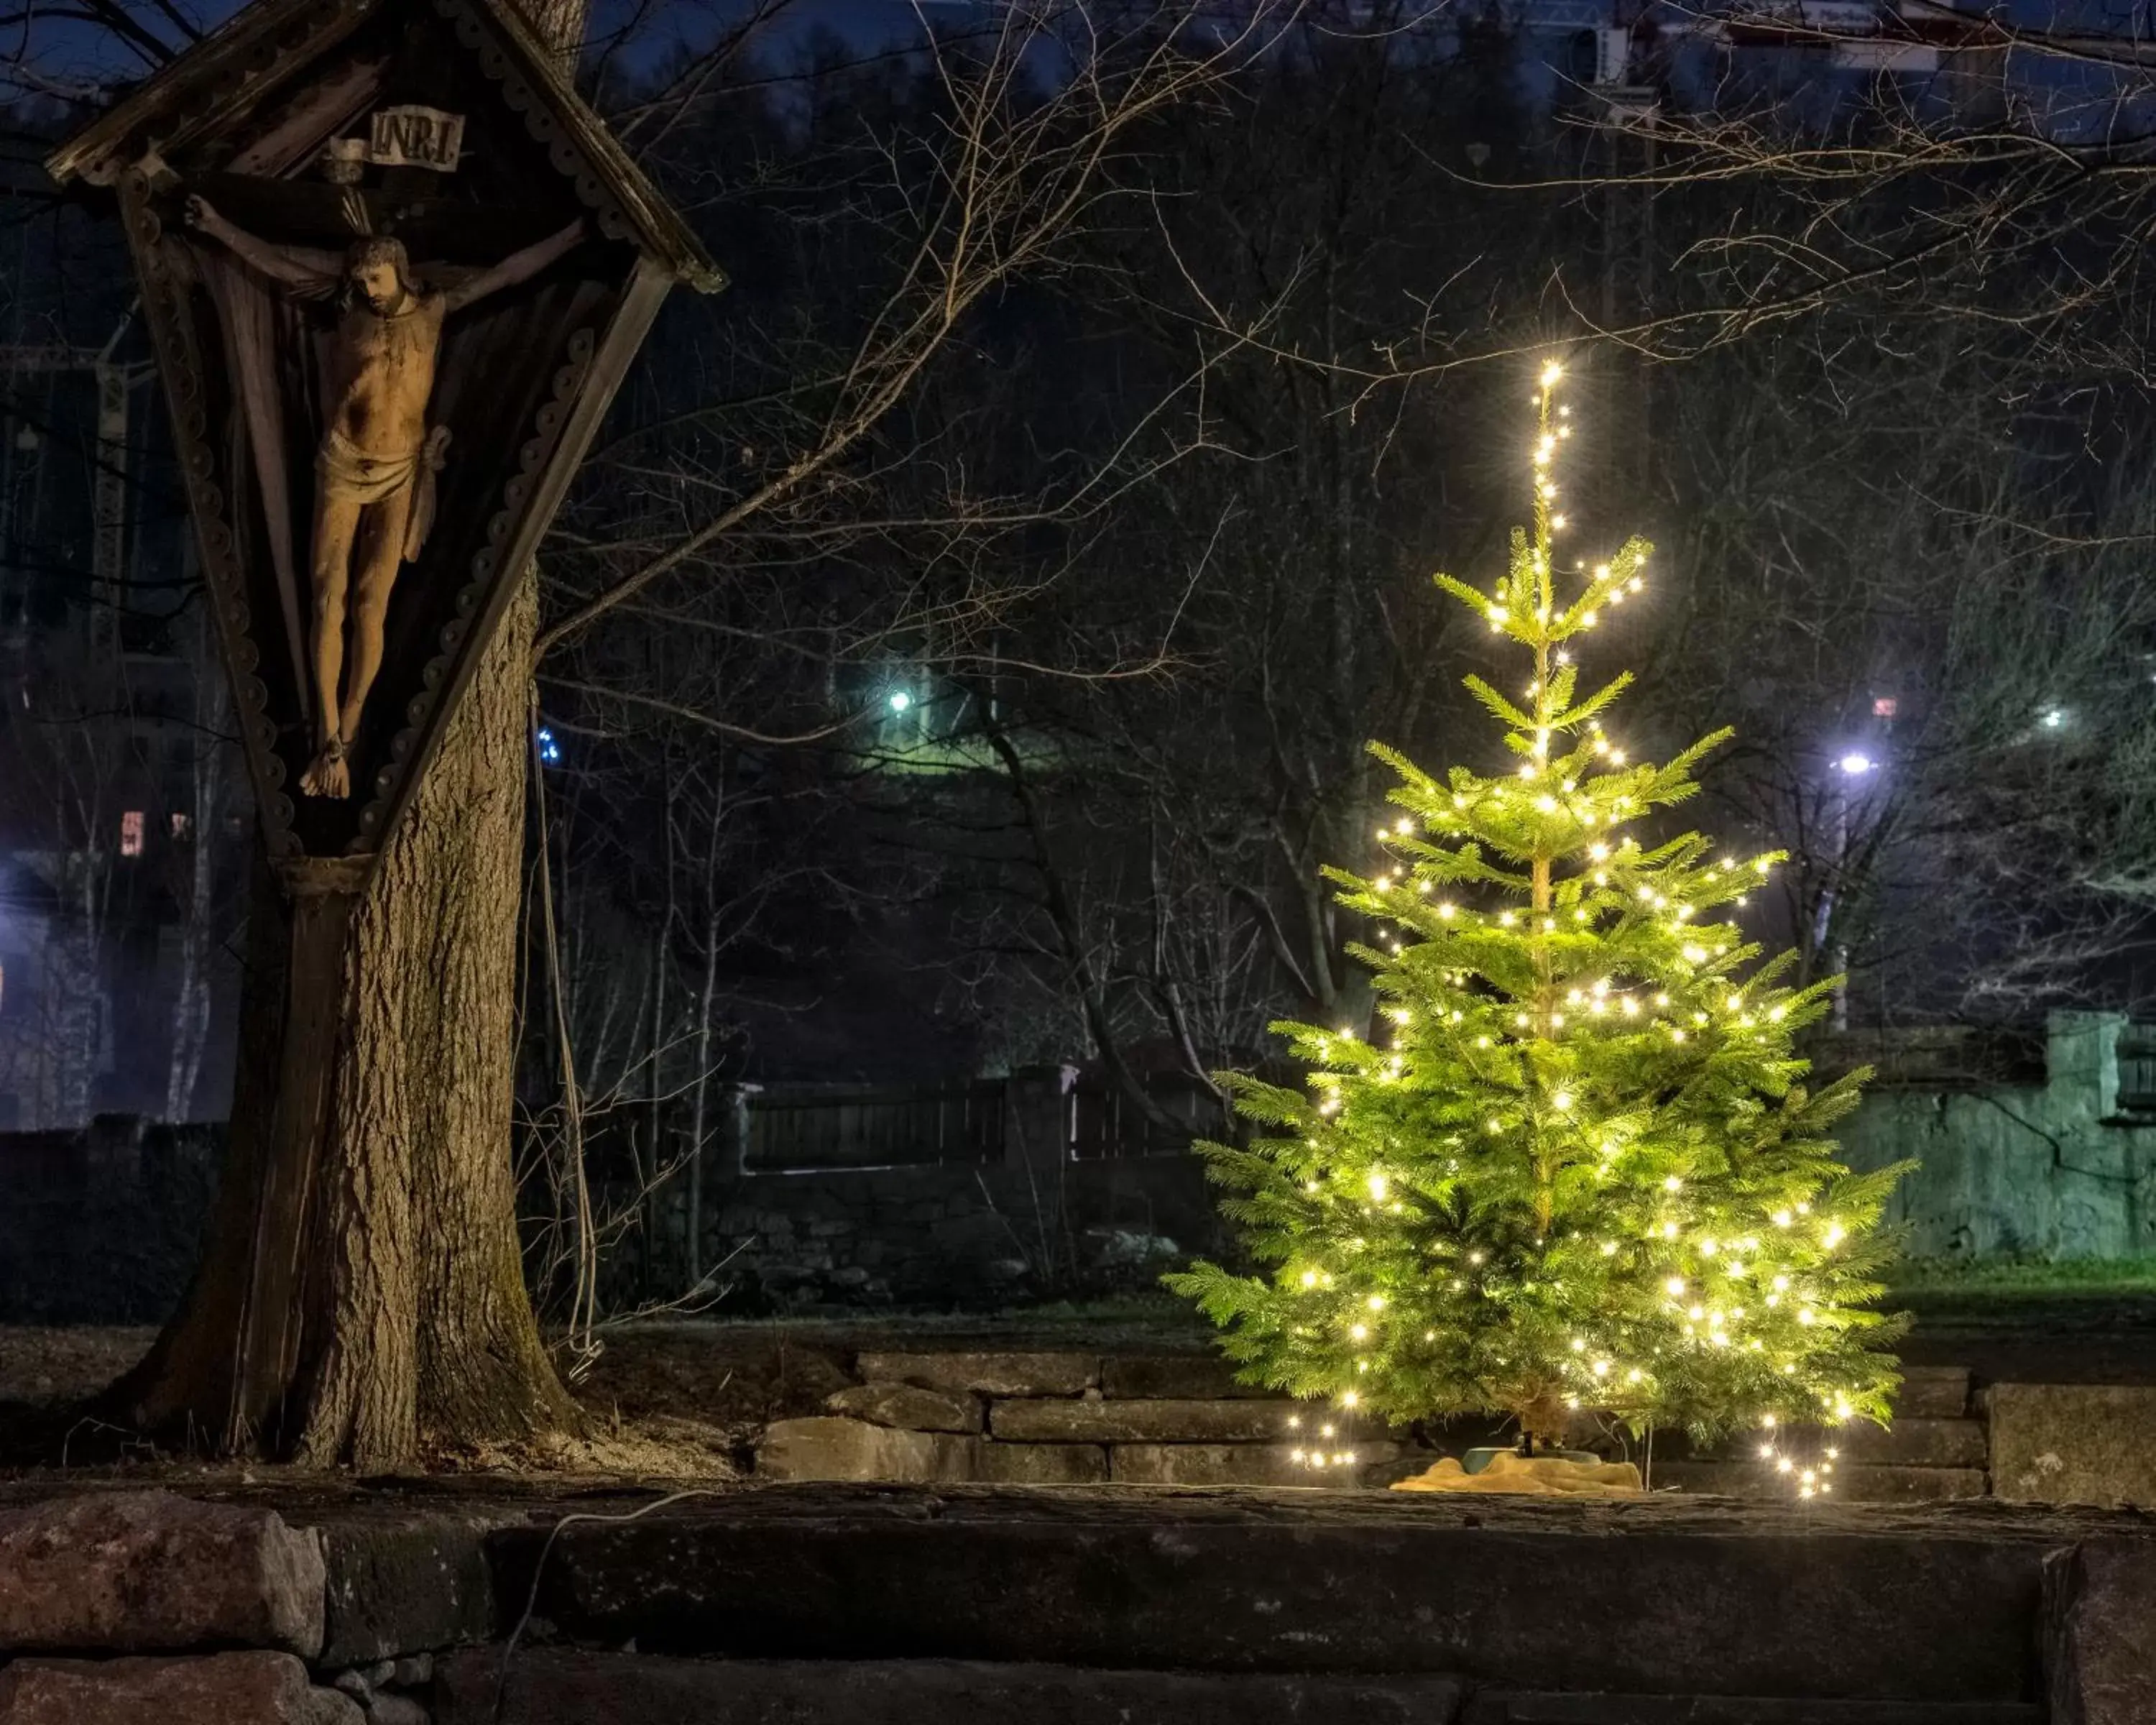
x: 415, y: 1327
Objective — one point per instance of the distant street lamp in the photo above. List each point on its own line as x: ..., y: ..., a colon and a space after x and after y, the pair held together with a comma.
x: 899, y: 700
x: 1854, y: 765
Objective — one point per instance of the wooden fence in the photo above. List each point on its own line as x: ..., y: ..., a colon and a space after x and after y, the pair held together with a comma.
x: 1108, y: 1123
x: 863, y: 1126
x: 816, y: 1128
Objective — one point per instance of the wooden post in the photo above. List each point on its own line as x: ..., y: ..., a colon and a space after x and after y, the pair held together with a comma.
x: 319, y: 895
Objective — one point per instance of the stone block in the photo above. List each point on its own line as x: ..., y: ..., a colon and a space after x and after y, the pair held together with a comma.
x: 2074, y: 1443
x: 1854, y: 1482
x: 908, y: 1407
x: 1908, y: 1443
x: 987, y: 1374
x: 833, y: 1448
x: 1834, y: 1601
x: 1244, y: 1465
x: 1175, y: 1377
x: 1140, y: 1422
x: 808, y: 1379
x: 142, y: 1571
x: 2100, y: 1632
x: 1932, y: 1393
x: 400, y: 1583
x: 1916, y: 1442
x: 1041, y: 1464
x: 561, y: 1686
x: 258, y: 1688
x: 1501, y: 1707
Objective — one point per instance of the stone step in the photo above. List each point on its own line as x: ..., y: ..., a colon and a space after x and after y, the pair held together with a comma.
x: 1368, y: 1464
x: 986, y: 1373
x: 1907, y: 1443
x: 1174, y: 1377
x: 2074, y: 1443
x: 1154, y: 1421
x: 1493, y: 1707
x: 550, y: 1686
x: 1932, y: 1393
x: 1856, y: 1482
x: 1708, y: 1596
x: 556, y: 1686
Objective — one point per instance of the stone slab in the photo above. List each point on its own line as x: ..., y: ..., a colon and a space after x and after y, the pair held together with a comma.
x: 400, y: 1584
x: 829, y: 1447
x: 1244, y: 1465
x: 1854, y: 1482
x: 1915, y: 1605
x: 908, y: 1407
x: 1041, y: 1463
x: 144, y: 1572
x: 1492, y: 1707
x: 2100, y: 1632
x: 258, y: 1688
x: 1139, y: 1422
x: 2073, y: 1443
x: 1917, y: 1443
x: 1175, y: 1377
x: 1907, y: 1443
x: 1933, y: 1393
x: 551, y: 1686
x: 989, y: 1374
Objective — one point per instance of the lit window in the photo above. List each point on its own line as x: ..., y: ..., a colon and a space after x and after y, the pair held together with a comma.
x: 183, y: 827
x: 131, y: 833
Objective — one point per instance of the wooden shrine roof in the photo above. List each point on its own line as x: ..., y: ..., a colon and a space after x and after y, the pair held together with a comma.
x: 217, y: 83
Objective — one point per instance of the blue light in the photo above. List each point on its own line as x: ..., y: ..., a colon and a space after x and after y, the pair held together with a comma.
x: 550, y: 751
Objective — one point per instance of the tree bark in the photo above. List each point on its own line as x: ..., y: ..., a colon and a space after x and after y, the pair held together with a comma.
x: 361, y: 1298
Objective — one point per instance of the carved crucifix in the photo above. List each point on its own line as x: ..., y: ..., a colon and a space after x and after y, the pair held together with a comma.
x: 376, y: 463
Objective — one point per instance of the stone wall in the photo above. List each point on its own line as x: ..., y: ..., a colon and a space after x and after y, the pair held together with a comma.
x: 828, y: 1605
x: 2047, y: 1169
x: 101, y: 1226
x: 964, y: 1235
x: 1035, y: 1224
x: 928, y: 1416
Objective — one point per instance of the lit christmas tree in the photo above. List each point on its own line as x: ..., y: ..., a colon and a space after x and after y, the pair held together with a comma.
x: 1581, y: 1168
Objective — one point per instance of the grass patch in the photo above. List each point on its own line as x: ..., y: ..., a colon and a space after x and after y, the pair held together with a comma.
x: 2007, y: 1278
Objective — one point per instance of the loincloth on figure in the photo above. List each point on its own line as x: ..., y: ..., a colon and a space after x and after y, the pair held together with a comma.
x: 342, y: 467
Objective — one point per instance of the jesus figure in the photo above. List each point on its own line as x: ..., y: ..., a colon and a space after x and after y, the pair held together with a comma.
x: 375, y: 467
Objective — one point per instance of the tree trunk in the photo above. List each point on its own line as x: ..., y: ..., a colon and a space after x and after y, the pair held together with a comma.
x: 361, y: 1295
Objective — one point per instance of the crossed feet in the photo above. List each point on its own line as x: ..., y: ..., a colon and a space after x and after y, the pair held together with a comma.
x: 326, y: 774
